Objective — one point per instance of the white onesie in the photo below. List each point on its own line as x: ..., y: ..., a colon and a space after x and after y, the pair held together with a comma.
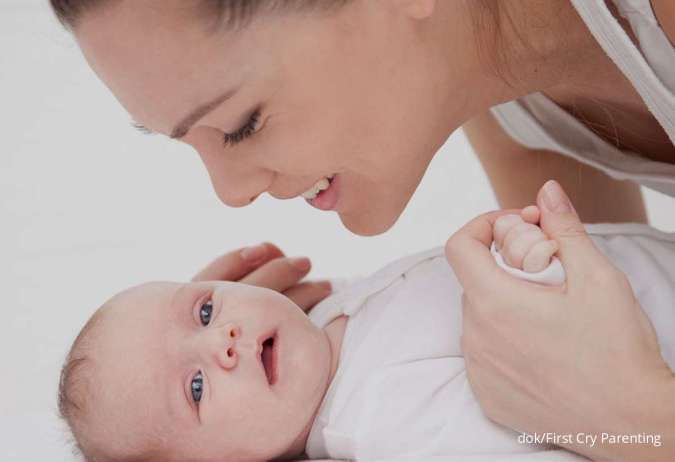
x: 400, y: 391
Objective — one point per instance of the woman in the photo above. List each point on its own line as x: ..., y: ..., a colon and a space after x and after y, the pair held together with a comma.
x: 347, y: 101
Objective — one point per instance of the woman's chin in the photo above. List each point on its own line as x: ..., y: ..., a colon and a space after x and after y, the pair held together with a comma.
x: 368, y: 223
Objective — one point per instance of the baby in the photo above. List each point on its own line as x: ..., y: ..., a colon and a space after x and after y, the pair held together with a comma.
x: 221, y: 371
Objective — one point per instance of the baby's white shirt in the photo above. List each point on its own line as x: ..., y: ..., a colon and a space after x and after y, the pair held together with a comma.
x: 400, y: 391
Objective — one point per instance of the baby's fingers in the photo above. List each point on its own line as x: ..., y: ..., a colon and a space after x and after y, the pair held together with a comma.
x: 530, y: 214
x: 518, y: 242
x: 502, y: 226
x: 539, y: 256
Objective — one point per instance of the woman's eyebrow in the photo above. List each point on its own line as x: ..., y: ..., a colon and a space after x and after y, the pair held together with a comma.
x: 198, y: 113
x: 193, y: 117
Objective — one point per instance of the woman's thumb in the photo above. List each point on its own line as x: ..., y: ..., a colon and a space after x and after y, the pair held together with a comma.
x: 560, y: 222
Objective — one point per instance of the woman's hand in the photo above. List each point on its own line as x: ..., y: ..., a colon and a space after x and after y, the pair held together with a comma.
x: 579, y: 360
x: 265, y: 265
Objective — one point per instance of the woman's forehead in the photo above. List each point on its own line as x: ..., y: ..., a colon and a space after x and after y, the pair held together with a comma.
x: 159, y: 65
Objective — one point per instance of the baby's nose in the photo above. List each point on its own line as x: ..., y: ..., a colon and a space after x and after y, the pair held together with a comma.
x: 226, y: 352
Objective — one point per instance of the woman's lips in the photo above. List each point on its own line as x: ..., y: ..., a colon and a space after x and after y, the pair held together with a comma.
x: 328, y: 198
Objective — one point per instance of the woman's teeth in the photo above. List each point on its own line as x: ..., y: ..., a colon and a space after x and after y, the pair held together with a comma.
x: 319, y: 186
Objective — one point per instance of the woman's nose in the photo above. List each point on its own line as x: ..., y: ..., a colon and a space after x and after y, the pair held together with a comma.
x: 236, y: 180
x: 238, y: 188
x: 225, y: 345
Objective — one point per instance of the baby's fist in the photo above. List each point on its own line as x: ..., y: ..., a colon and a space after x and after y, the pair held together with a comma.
x: 521, y: 243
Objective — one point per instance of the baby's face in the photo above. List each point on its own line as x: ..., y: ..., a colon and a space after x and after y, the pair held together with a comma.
x: 207, y: 371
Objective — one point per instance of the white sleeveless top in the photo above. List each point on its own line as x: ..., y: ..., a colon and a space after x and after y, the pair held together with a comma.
x: 400, y: 391
x: 537, y: 122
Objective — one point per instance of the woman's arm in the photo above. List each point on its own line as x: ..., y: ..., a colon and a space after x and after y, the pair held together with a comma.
x: 516, y: 174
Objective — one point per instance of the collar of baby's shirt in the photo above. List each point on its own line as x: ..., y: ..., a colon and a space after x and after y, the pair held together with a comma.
x: 349, y: 294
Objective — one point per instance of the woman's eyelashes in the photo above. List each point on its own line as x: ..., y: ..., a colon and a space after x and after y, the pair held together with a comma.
x: 244, y: 132
x: 205, y: 313
x: 197, y: 387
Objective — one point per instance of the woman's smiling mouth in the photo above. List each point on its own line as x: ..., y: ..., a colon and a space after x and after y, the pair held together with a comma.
x: 324, y: 194
x: 319, y: 186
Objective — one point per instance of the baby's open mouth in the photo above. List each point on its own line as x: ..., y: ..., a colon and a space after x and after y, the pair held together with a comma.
x: 268, y: 357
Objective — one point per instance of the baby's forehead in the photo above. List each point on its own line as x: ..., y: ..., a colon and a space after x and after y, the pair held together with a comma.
x: 132, y: 325
x: 130, y: 365
x: 143, y: 302
x: 149, y: 291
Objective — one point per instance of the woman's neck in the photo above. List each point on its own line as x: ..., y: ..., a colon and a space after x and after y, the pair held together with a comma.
x: 497, y: 51
x: 510, y: 48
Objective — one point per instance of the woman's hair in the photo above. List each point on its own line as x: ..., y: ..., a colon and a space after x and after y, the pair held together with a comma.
x: 231, y: 13
x: 69, y: 12
x: 487, y: 18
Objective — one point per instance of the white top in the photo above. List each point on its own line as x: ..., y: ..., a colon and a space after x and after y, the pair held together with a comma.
x: 400, y: 391
x: 538, y: 123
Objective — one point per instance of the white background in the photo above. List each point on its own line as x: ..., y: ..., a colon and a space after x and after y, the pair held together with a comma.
x: 88, y: 206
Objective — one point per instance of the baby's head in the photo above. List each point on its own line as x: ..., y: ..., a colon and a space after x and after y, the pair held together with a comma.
x: 209, y: 371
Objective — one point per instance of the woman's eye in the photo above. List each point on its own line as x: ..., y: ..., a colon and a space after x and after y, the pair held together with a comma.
x: 244, y: 132
x: 197, y: 387
x: 205, y: 313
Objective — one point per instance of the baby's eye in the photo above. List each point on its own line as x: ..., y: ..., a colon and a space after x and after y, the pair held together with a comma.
x: 205, y: 313
x: 197, y: 386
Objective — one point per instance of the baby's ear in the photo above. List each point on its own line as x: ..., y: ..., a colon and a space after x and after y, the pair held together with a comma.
x: 530, y: 214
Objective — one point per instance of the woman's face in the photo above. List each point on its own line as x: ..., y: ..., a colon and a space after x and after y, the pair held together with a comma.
x: 353, y: 92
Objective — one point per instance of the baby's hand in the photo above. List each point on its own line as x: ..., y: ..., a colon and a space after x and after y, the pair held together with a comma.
x: 521, y: 243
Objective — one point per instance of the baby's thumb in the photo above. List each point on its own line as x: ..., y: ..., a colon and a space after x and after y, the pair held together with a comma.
x: 560, y: 222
